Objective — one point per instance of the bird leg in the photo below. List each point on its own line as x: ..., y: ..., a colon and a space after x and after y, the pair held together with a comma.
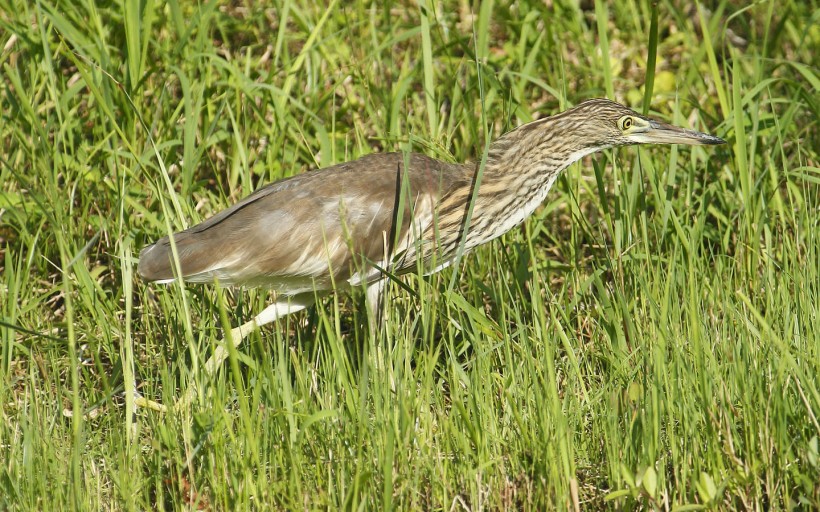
x: 374, y: 295
x: 270, y: 314
x: 375, y: 304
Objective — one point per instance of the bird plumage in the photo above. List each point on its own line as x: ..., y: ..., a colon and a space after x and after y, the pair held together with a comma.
x: 339, y: 225
x: 316, y: 229
x: 342, y: 226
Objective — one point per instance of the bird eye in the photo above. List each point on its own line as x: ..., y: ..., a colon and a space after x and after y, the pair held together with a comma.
x: 625, y: 123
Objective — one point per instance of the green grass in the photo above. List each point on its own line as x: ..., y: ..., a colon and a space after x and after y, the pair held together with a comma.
x: 650, y: 338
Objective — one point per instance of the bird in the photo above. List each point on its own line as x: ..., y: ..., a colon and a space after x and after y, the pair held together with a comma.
x: 358, y: 223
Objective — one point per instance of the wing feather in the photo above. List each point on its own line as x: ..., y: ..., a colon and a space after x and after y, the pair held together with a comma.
x: 311, y: 230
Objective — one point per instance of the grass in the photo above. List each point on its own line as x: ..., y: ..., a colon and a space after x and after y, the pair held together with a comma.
x: 648, y: 339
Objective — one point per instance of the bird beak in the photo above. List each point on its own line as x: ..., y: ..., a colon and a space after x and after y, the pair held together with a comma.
x: 662, y: 133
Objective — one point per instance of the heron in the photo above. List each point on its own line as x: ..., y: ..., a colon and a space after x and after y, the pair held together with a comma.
x: 356, y: 224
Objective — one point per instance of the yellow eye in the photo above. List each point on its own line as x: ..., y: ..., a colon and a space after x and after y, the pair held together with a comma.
x: 625, y: 123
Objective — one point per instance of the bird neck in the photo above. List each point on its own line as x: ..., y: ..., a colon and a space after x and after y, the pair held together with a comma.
x: 537, y: 152
x: 521, y: 168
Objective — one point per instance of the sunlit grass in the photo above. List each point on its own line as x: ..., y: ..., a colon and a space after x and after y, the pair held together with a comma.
x: 649, y: 338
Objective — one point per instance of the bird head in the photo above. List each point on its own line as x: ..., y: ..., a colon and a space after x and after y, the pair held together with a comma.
x: 602, y: 123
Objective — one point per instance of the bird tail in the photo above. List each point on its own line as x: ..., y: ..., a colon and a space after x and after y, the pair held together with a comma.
x: 157, y: 260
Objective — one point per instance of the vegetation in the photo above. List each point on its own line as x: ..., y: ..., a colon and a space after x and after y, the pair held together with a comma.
x: 649, y: 339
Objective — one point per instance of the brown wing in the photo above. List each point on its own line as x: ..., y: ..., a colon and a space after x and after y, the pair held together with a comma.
x: 312, y: 230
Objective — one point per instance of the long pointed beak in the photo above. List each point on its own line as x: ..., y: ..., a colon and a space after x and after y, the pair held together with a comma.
x: 662, y: 133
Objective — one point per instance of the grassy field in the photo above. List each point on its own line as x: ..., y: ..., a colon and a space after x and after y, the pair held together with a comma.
x: 649, y: 339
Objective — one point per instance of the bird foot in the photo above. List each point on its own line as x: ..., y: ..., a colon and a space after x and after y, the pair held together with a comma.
x: 144, y: 403
x: 221, y: 352
x: 211, y: 366
x: 185, y: 400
